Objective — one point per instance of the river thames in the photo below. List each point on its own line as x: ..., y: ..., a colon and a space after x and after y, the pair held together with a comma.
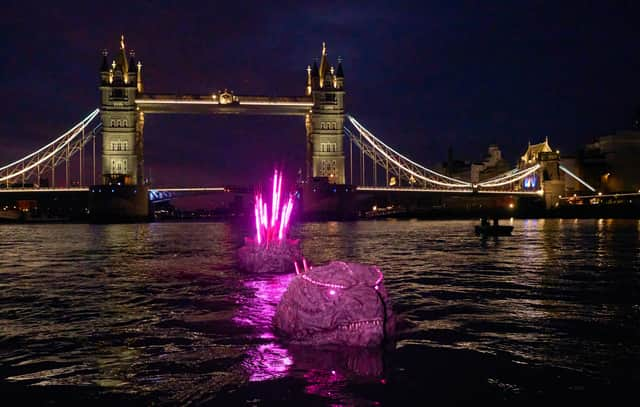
x: 158, y: 313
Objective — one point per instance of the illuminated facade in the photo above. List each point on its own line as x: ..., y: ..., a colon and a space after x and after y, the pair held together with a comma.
x: 124, y: 104
x: 120, y: 82
x: 325, y: 152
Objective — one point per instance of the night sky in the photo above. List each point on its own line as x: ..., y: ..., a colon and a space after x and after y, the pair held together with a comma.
x: 422, y: 76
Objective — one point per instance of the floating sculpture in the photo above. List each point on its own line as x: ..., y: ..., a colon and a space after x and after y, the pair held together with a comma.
x: 336, y: 304
x: 270, y: 250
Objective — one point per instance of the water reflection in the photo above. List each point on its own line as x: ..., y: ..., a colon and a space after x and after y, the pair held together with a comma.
x: 266, y: 359
x: 327, y: 372
x: 161, y: 310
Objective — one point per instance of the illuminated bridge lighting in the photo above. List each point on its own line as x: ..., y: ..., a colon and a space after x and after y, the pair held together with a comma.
x: 72, y: 189
x: 510, y: 178
x: 563, y: 168
x: 192, y: 189
x: 407, y: 189
x: 33, y: 160
x: 259, y: 103
x: 402, y: 161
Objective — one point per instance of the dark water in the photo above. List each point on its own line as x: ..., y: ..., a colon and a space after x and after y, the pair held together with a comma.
x: 158, y: 314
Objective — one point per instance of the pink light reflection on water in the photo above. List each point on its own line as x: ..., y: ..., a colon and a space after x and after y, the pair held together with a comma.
x: 264, y: 361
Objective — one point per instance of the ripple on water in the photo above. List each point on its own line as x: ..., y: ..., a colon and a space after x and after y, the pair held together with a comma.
x: 160, y: 310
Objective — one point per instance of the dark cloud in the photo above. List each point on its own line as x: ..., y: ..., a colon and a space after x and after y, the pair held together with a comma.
x: 422, y: 75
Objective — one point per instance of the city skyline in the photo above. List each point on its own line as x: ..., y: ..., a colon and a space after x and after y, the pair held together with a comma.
x: 464, y: 77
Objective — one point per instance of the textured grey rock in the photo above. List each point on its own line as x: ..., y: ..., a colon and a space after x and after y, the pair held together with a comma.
x: 275, y: 258
x: 338, y: 303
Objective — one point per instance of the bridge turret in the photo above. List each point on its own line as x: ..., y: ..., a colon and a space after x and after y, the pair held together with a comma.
x: 104, y: 68
x: 326, y: 122
x: 121, y: 138
x: 315, y: 76
x: 122, y: 153
x: 339, y: 77
x: 548, y: 176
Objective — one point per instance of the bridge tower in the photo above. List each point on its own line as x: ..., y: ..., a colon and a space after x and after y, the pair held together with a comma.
x: 325, y: 152
x: 122, y: 194
x: 552, y: 178
x: 120, y: 82
x: 548, y: 176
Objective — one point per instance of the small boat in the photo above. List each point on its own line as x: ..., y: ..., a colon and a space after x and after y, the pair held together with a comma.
x: 494, y: 230
x: 11, y: 215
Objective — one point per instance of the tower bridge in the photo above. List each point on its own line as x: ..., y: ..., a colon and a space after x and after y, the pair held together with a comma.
x: 377, y: 168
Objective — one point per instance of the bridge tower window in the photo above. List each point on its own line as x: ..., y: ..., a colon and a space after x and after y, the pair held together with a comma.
x: 119, y: 145
x: 119, y: 166
x: 113, y: 123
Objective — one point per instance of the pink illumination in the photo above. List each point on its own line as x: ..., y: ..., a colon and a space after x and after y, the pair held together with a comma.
x: 270, y: 227
x: 332, y: 292
x: 380, y: 277
x: 320, y: 283
x: 258, y: 237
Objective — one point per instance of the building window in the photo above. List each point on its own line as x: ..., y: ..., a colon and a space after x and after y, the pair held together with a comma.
x: 324, y: 168
x: 119, y: 166
x: 330, y: 97
x: 113, y: 123
x: 124, y: 123
x: 119, y: 145
x: 328, y: 147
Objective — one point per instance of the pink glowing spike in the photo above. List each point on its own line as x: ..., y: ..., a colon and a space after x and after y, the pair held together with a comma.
x: 274, y: 225
x: 287, y: 214
x: 284, y: 220
x: 274, y: 198
x: 295, y: 263
x: 304, y: 264
x: 278, y: 194
x: 255, y: 208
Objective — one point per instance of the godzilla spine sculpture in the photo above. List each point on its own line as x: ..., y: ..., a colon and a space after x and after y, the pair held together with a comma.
x: 336, y: 304
x: 271, y: 251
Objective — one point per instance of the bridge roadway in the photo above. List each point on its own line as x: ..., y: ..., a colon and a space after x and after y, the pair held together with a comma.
x: 243, y: 190
x: 224, y: 103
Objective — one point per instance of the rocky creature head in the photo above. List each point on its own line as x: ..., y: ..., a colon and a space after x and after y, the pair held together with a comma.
x: 338, y: 303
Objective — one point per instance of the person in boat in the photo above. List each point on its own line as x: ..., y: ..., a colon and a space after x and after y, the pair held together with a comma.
x: 484, y: 222
x: 495, y: 222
